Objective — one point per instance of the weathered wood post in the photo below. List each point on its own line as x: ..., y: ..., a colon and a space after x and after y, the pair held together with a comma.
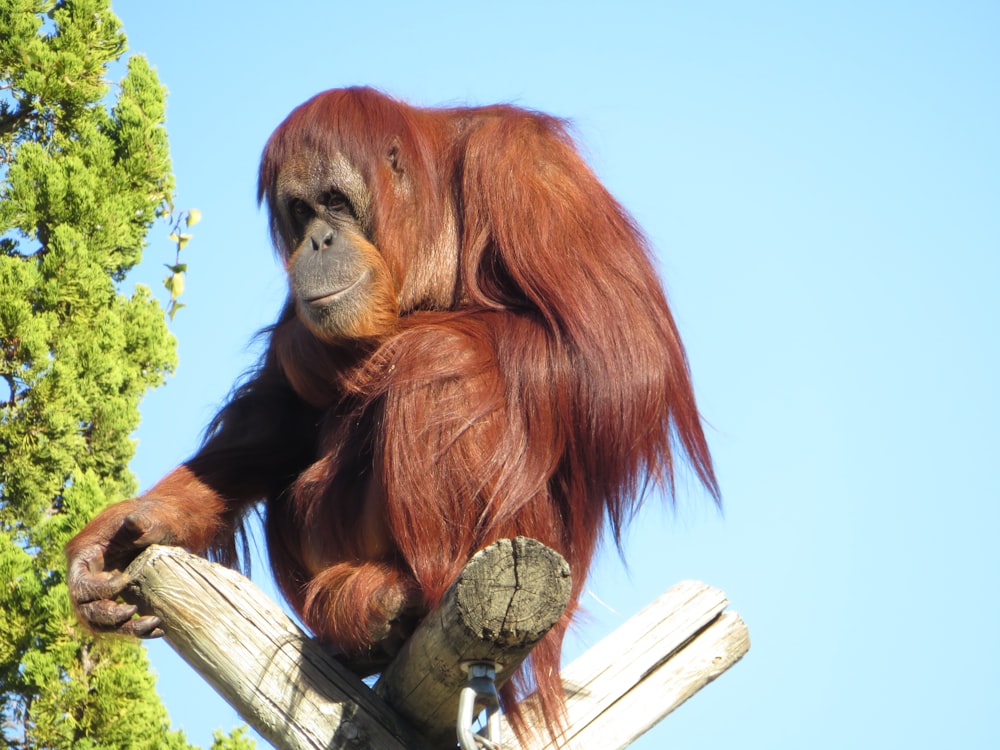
x: 297, y: 695
x: 650, y: 665
x: 507, y: 597
x: 283, y: 684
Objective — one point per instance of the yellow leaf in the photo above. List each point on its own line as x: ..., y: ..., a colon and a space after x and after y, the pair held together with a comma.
x: 174, y: 284
x: 193, y: 217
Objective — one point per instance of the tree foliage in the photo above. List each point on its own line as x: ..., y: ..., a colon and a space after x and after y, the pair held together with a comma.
x: 84, y: 173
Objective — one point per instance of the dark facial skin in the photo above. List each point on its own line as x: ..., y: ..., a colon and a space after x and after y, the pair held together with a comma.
x: 327, y: 273
x: 338, y: 279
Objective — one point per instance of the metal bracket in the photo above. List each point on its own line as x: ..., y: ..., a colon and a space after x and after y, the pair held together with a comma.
x: 481, y: 691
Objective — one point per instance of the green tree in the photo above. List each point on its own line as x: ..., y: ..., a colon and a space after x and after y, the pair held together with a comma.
x: 84, y: 173
x: 237, y: 740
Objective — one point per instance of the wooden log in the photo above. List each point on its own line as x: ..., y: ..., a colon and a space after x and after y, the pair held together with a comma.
x: 284, y: 684
x: 298, y: 696
x: 638, y: 674
x: 508, y: 596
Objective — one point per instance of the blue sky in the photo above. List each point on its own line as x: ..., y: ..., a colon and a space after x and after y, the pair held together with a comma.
x: 821, y: 183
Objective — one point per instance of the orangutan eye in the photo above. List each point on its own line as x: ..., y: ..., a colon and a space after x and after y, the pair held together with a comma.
x: 300, y: 210
x: 336, y: 202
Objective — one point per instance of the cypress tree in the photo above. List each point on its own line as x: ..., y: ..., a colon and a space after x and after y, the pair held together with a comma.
x: 84, y: 174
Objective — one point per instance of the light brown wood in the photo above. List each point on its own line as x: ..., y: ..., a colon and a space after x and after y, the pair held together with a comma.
x: 298, y: 696
x: 638, y: 674
x: 284, y: 684
x: 508, y: 596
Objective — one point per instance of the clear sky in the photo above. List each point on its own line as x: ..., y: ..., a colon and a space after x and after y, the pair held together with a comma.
x: 821, y: 183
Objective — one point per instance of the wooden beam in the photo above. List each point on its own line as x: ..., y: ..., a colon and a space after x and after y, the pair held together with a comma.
x: 285, y: 685
x: 638, y: 674
x: 297, y: 695
x: 508, y: 596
